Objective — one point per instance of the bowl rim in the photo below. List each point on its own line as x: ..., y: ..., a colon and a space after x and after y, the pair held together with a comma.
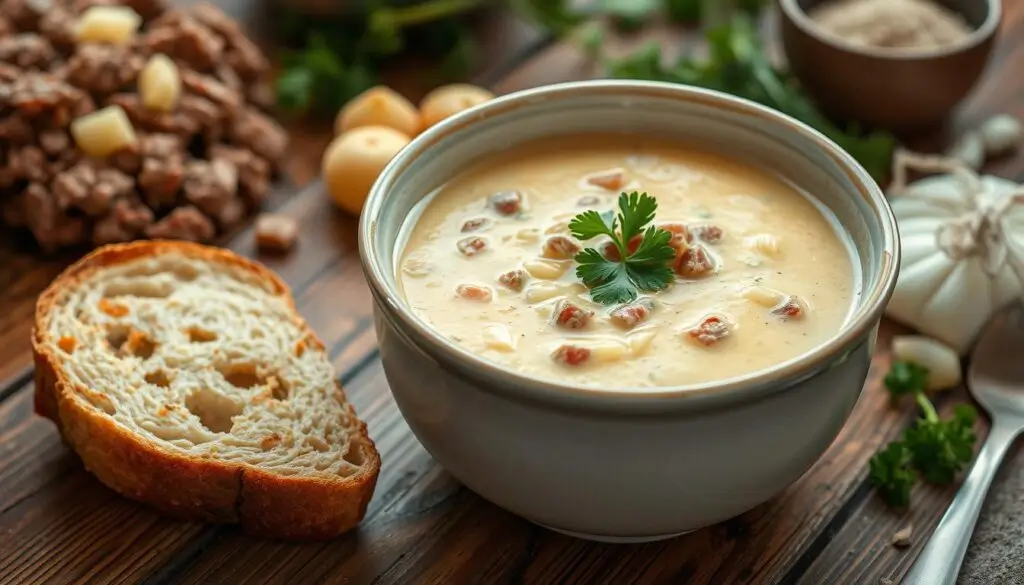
x: 857, y: 330
x: 792, y: 12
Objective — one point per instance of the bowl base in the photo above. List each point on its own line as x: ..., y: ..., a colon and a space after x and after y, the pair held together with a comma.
x: 615, y: 539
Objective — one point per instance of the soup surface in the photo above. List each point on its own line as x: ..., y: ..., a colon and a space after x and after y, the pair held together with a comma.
x: 760, y: 274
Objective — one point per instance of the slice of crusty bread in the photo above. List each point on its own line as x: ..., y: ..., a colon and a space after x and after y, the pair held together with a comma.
x: 184, y: 378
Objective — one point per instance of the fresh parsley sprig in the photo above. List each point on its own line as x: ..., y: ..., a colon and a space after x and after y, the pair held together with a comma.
x: 933, y: 448
x: 645, y: 269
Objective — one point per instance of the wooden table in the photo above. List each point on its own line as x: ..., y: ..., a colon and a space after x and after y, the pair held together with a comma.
x: 60, y: 525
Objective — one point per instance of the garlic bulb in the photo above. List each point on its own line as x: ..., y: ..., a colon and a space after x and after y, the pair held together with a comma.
x: 953, y: 275
x: 942, y: 362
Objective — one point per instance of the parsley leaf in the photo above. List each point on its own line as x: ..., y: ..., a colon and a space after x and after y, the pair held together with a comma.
x: 936, y: 449
x: 940, y: 449
x: 906, y: 378
x: 645, y: 269
x: 591, y: 224
x: 891, y: 474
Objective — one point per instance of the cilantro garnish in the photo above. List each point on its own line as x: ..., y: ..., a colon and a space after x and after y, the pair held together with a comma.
x: 645, y: 269
x: 933, y: 448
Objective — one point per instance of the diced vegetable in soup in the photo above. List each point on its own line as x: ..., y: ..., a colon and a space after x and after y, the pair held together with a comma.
x: 741, y: 271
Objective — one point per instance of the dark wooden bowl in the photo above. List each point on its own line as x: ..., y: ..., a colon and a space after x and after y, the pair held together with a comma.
x: 893, y: 90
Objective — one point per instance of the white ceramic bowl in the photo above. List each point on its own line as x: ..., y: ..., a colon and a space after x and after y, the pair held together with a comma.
x: 626, y: 464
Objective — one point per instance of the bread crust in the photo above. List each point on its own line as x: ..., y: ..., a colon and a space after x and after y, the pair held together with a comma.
x: 263, y: 503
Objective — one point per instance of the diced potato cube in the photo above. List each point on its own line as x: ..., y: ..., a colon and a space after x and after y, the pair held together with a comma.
x: 539, y: 292
x: 160, y: 84
x: 497, y: 336
x: 103, y: 132
x: 607, y: 350
x: 545, y: 269
x: 764, y: 296
x: 107, y: 24
x: 640, y: 342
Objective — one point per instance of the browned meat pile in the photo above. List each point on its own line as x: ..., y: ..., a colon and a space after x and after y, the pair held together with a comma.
x: 187, y: 172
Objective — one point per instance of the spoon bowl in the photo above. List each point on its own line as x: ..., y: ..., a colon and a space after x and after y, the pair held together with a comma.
x: 996, y: 375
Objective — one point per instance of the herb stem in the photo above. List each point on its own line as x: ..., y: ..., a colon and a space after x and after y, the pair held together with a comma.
x: 926, y: 405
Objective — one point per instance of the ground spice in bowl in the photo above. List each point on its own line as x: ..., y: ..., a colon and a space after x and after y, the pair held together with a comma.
x: 892, y: 24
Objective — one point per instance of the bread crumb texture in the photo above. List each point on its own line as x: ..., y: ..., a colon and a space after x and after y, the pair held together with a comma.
x: 204, y: 356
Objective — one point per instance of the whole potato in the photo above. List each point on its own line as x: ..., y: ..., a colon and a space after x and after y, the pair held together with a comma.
x: 379, y: 106
x: 451, y: 99
x: 354, y: 159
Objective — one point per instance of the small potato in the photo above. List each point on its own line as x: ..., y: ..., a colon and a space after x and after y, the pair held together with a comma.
x: 353, y: 161
x: 160, y: 84
x: 107, y: 24
x: 448, y: 100
x: 379, y: 106
x: 103, y: 132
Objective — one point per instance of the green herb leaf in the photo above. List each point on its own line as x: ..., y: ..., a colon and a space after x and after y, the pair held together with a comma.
x: 940, y: 449
x: 906, y: 378
x: 936, y: 449
x: 591, y: 224
x: 645, y: 269
x: 891, y: 474
x: 635, y: 211
x: 554, y: 15
x: 628, y: 15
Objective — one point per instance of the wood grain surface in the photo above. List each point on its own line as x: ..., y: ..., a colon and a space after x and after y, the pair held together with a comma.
x: 59, y: 525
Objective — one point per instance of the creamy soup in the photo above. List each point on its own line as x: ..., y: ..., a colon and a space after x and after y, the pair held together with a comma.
x: 760, y: 273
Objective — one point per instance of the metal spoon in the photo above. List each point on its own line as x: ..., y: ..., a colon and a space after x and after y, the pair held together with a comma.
x: 996, y: 378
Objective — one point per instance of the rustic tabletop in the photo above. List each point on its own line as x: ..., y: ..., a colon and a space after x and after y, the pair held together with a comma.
x: 58, y: 524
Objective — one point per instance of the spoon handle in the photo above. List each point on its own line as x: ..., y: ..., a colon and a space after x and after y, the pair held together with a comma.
x: 939, y: 563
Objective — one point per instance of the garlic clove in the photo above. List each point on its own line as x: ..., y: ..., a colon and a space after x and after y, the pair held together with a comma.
x: 942, y: 361
x: 969, y: 149
x: 1001, y: 134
